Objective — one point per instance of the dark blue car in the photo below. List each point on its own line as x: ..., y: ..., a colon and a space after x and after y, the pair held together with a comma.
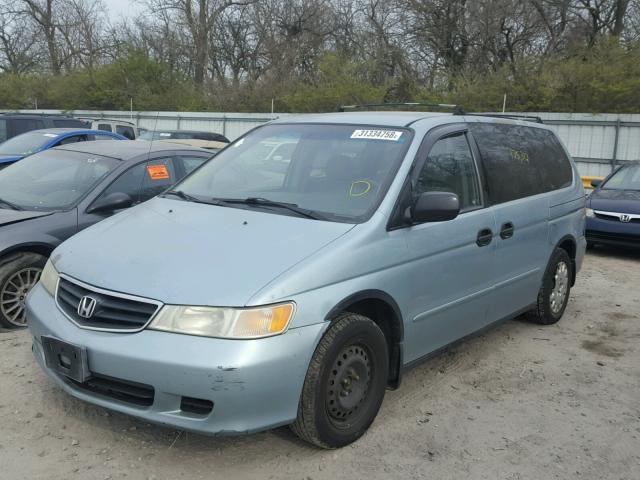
x: 20, y: 146
x: 613, y: 209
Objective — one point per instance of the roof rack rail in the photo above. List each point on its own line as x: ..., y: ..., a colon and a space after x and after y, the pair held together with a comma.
x: 106, y: 119
x: 36, y: 114
x: 457, y: 109
x: 526, y: 118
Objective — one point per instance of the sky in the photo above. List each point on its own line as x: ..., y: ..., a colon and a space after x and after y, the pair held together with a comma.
x: 122, y: 8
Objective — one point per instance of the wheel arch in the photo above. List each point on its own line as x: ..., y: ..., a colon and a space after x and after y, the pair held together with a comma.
x: 569, y: 244
x: 380, y: 307
x: 11, y: 252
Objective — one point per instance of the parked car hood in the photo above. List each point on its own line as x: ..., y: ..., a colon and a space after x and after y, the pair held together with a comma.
x: 8, y: 216
x: 620, y: 201
x: 9, y: 158
x: 189, y: 253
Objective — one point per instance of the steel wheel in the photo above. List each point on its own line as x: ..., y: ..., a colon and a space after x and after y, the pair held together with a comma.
x: 14, y: 292
x: 558, y: 294
x: 348, y: 384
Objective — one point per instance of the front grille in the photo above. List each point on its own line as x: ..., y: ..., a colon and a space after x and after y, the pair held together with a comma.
x: 111, y: 312
x: 614, y: 218
x: 123, y: 390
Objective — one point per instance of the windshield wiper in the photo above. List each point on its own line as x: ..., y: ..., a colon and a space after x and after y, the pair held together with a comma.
x: 182, y: 195
x: 12, y: 206
x: 191, y: 198
x: 265, y: 202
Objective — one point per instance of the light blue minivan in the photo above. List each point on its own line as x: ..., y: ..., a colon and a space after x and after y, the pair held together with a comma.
x: 266, y: 290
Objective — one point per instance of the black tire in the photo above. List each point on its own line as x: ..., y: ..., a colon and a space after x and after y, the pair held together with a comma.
x: 353, y: 356
x: 26, y: 267
x: 548, y: 309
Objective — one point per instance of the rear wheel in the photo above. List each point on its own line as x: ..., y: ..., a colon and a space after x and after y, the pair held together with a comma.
x: 345, y: 383
x: 554, y: 292
x: 17, y: 278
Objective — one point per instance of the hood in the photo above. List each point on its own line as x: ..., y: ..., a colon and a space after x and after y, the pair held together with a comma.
x: 188, y: 253
x: 620, y: 201
x: 9, y: 158
x: 8, y: 216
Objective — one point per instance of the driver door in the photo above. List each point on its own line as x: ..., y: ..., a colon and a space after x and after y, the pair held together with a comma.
x: 451, y: 265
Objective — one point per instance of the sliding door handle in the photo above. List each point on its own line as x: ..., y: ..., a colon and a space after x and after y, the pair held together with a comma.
x: 506, y: 231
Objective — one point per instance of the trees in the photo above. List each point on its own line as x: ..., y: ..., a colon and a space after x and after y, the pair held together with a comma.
x: 239, y: 54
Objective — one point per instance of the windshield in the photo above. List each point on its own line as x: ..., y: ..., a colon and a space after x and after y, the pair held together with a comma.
x: 53, y: 180
x: 627, y: 178
x: 338, y: 171
x: 26, y: 144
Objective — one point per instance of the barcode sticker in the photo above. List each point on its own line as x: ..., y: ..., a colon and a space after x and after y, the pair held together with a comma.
x: 392, y: 135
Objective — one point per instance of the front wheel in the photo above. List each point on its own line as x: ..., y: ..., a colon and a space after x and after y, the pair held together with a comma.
x: 345, y: 383
x: 17, y: 278
x: 554, y: 292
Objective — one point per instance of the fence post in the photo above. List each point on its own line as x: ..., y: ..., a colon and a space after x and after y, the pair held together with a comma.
x: 615, y: 145
x: 178, y: 124
x: 224, y: 125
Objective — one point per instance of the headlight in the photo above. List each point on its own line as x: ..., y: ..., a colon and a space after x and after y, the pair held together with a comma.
x: 235, y: 323
x: 589, y: 212
x: 49, y: 278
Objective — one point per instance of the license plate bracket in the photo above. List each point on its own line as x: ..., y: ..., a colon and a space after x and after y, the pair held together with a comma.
x: 66, y: 358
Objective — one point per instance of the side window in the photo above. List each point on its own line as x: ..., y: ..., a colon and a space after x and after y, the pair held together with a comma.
x: 159, y: 175
x: 126, y: 131
x: 129, y: 182
x: 68, y: 123
x: 3, y: 130
x: 521, y: 161
x: 102, y: 137
x: 22, y: 125
x: 72, y: 139
x: 104, y: 126
x: 190, y: 163
x: 449, y: 167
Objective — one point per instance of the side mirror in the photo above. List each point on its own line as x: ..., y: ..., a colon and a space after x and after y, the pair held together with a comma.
x: 435, y: 207
x: 595, y: 183
x: 113, y: 201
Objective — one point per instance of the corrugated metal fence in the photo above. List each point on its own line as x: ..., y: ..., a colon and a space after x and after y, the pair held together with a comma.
x: 598, y: 142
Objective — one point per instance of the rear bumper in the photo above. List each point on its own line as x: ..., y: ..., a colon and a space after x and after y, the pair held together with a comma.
x: 253, y: 384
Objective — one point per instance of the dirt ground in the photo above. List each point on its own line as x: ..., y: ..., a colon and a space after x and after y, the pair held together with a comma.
x: 519, y: 402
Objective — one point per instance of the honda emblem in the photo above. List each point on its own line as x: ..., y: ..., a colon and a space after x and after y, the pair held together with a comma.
x: 86, y: 307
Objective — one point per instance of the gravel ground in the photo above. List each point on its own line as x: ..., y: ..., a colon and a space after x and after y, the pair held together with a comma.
x: 519, y: 402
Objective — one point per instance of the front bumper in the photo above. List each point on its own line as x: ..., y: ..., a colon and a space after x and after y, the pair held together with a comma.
x: 613, y: 232
x: 253, y: 384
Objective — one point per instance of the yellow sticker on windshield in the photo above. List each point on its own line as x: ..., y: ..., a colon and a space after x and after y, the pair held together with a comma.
x: 359, y: 188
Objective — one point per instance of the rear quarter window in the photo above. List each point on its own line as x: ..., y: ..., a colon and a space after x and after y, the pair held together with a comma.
x: 521, y: 161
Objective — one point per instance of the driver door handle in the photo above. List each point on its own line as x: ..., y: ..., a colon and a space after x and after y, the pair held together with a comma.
x: 484, y: 237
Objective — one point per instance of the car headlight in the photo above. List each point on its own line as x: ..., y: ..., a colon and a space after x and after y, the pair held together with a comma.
x: 234, y: 323
x: 589, y: 212
x: 49, y: 278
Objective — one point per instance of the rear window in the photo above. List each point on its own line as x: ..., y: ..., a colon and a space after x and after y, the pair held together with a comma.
x: 521, y: 161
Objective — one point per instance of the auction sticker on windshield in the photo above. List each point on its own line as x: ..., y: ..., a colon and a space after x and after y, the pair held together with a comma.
x: 158, y: 172
x: 392, y: 135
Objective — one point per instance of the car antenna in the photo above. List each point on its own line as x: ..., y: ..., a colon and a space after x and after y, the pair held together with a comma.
x: 155, y: 126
